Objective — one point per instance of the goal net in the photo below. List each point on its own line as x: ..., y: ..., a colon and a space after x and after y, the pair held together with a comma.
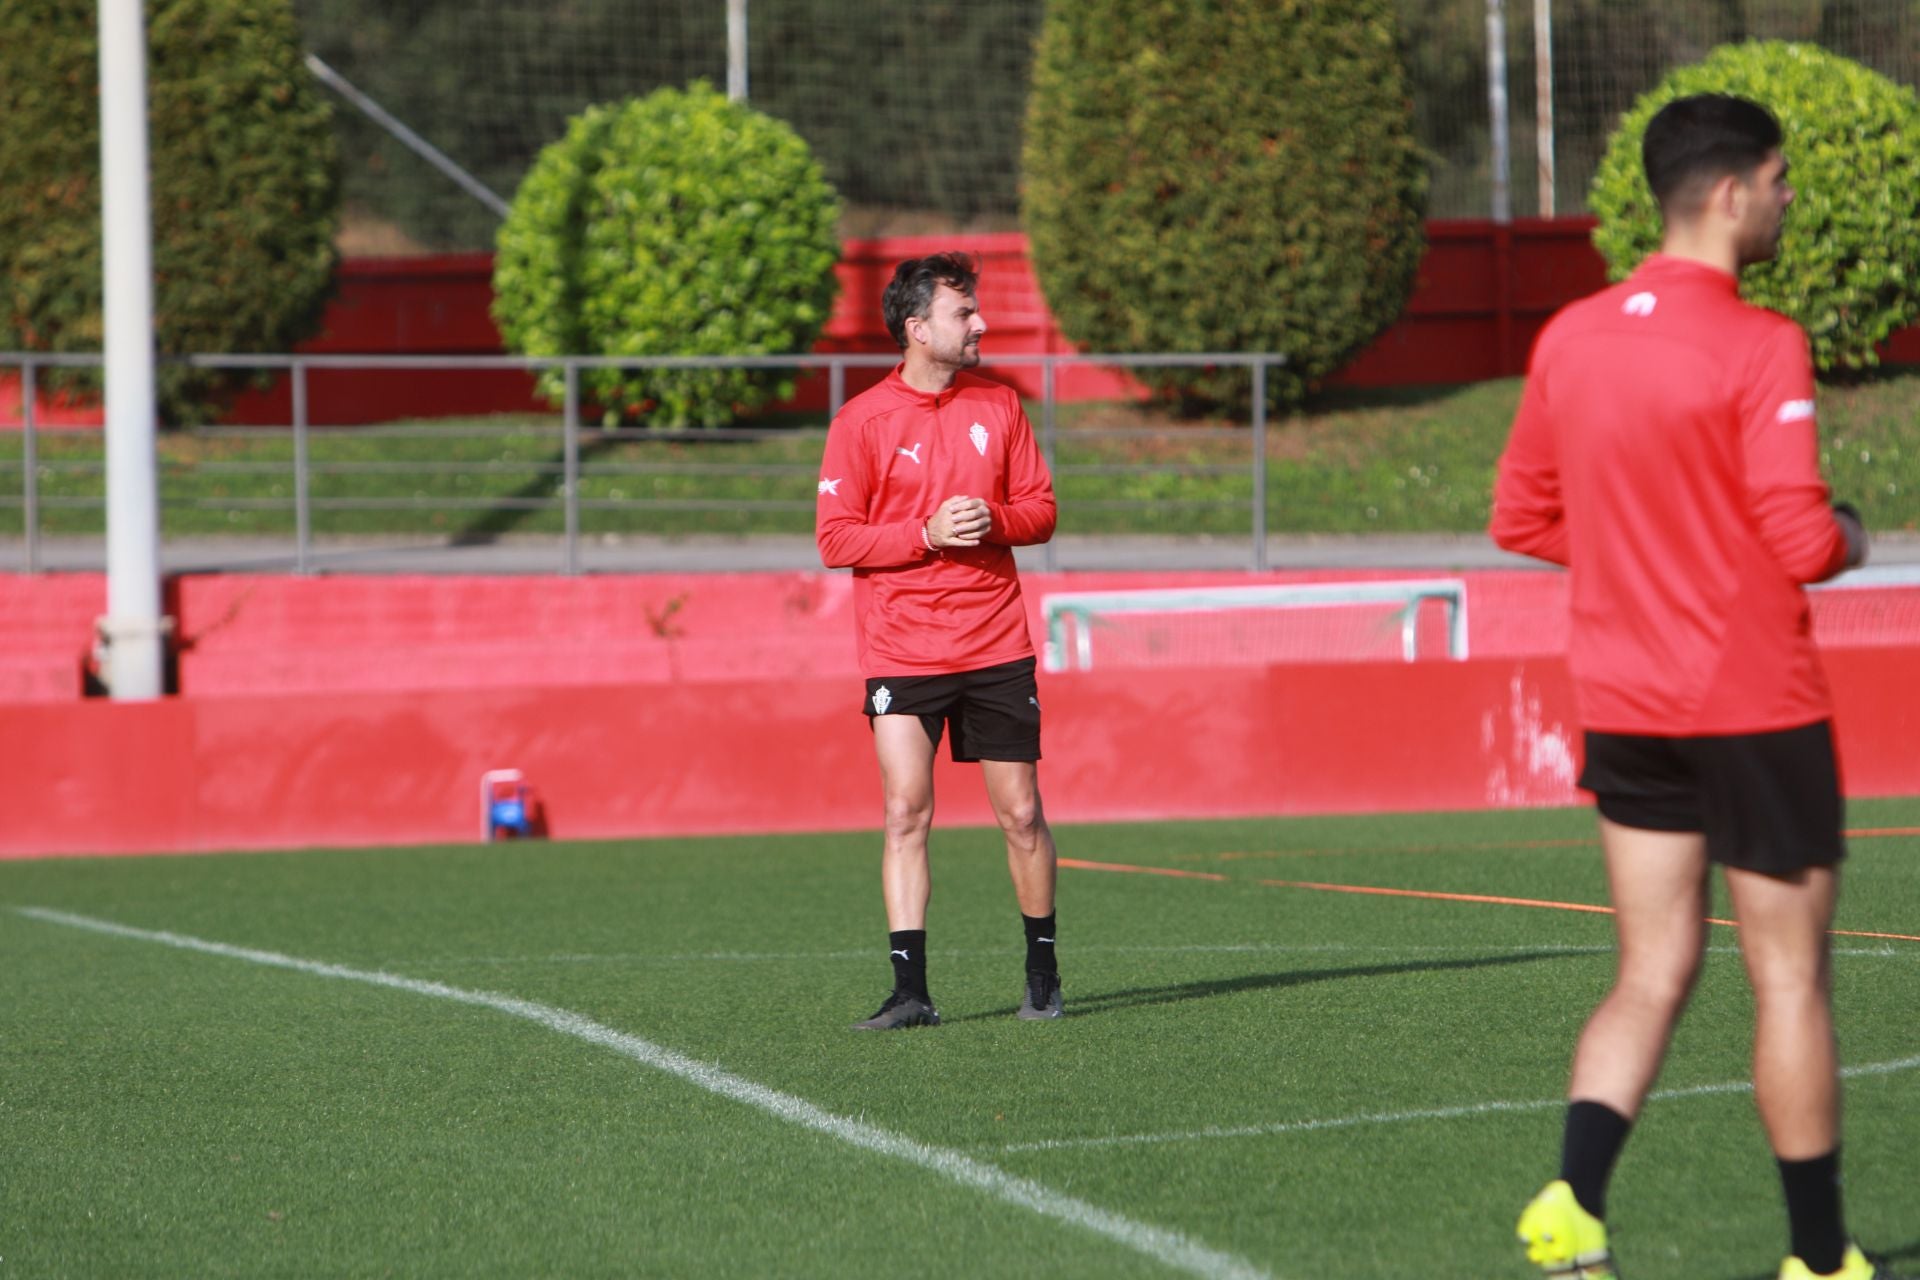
x: 1369, y: 621
x: 1868, y: 608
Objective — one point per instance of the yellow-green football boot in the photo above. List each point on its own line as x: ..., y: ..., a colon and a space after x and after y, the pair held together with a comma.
x: 1563, y: 1239
x: 1854, y: 1267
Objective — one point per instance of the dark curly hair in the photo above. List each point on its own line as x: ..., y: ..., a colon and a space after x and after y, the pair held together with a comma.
x: 910, y: 293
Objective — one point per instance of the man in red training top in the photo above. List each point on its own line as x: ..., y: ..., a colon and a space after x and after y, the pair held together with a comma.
x: 929, y: 481
x: 1665, y: 452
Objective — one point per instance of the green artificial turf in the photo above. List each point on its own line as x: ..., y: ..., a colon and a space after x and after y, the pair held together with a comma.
x: 1315, y: 1084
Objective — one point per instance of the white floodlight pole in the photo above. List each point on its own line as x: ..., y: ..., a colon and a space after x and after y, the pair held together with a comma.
x: 1497, y: 108
x: 1543, y: 97
x: 132, y: 629
x: 737, y: 50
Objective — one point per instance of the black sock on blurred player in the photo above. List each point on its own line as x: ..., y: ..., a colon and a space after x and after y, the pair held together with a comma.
x: 1040, y: 944
x: 1813, y: 1211
x: 907, y: 948
x: 1594, y: 1135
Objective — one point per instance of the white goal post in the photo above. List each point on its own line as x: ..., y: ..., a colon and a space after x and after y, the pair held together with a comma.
x: 1070, y: 617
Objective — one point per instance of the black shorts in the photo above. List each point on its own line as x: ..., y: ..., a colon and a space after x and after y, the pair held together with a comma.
x: 1767, y: 802
x: 995, y: 711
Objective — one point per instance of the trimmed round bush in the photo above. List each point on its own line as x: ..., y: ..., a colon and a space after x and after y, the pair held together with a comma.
x: 677, y: 224
x: 243, y: 176
x: 1850, y: 253
x: 1236, y: 178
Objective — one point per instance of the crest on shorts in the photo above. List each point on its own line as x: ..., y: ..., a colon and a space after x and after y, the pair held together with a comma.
x: 882, y: 699
x: 978, y: 434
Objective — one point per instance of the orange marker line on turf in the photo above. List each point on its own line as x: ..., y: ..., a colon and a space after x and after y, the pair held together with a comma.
x: 1434, y: 894
x: 1862, y: 933
x: 1485, y: 846
x: 1481, y: 847
x: 1081, y: 864
x: 1531, y: 902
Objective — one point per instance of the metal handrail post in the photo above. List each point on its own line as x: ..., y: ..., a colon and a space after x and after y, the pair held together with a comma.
x: 30, y: 463
x: 1050, y: 558
x: 1260, y: 466
x: 302, y: 475
x: 571, y: 447
x: 836, y: 388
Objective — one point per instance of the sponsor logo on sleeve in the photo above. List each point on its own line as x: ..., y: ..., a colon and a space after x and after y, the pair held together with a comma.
x: 1640, y: 304
x: 831, y: 486
x: 1796, y: 411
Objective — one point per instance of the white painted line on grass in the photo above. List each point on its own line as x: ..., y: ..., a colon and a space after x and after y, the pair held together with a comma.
x: 1406, y: 1117
x: 1159, y: 1243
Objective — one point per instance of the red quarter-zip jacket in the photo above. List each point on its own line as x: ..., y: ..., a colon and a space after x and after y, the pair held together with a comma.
x: 1665, y: 452
x: 893, y: 456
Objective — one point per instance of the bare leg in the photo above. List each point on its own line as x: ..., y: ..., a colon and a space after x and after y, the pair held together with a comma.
x: 1658, y: 881
x: 906, y: 779
x: 1013, y: 788
x: 1783, y: 936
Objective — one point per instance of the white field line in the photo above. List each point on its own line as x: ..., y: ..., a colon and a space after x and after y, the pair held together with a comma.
x: 1165, y: 1246
x: 1406, y: 1117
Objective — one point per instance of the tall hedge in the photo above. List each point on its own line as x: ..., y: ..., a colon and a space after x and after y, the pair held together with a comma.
x: 1221, y: 176
x: 243, y: 177
x: 1848, y: 269
x: 675, y: 224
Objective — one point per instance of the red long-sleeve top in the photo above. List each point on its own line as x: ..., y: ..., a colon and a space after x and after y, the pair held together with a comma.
x: 893, y: 456
x: 1665, y: 452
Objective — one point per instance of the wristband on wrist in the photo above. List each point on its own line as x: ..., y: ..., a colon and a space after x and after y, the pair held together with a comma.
x: 924, y: 536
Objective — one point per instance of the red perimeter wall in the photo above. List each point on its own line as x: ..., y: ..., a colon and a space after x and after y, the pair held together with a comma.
x: 363, y: 711
x: 1482, y: 293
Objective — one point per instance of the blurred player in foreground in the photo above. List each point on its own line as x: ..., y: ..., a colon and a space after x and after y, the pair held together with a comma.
x: 1665, y: 452
x: 929, y: 481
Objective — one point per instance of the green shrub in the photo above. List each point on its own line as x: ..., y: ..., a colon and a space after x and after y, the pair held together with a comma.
x: 675, y: 224
x: 1850, y: 254
x: 243, y: 185
x: 1223, y: 177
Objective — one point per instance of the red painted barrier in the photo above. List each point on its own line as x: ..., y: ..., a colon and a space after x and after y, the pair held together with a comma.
x: 241, y: 634
x: 364, y: 710
x: 245, y: 635
x: 389, y: 768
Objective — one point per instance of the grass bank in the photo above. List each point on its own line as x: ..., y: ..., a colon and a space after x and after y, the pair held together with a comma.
x: 1401, y: 461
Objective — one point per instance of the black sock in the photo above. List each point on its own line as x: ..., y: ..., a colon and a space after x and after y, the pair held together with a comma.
x: 907, y: 948
x: 1040, y: 944
x: 1594, y: 1135
x: 1813, y: 1211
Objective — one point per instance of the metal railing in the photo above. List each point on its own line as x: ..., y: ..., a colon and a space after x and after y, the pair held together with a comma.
x: 299, y: 368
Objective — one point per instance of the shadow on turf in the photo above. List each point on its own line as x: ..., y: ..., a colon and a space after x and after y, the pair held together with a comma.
x: 1905, y: 1255
x: 1081, y: 1004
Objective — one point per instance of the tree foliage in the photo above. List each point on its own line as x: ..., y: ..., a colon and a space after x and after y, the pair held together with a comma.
x: 1848, y: 269
x: 243, y: 176
x: 678, y: 224
x: 1223, y: 176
